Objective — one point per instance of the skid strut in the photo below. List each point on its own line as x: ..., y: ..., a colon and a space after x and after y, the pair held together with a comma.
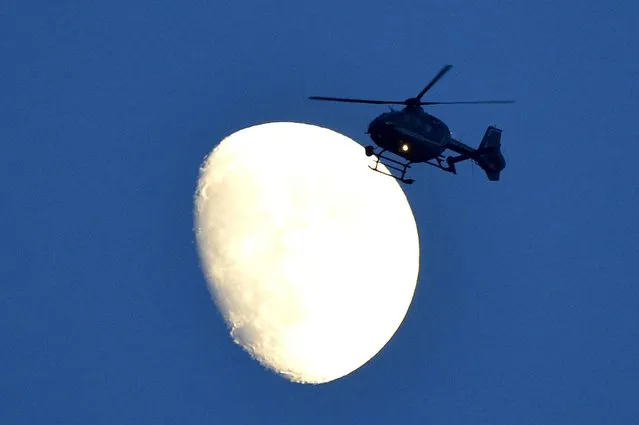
x: 446, y: 164
x: 391, y: 163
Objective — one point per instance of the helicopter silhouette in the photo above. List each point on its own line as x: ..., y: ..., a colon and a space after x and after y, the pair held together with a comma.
x: 419, y: 137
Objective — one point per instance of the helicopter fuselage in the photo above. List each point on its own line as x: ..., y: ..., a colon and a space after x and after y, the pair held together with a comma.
x: 410, y: 133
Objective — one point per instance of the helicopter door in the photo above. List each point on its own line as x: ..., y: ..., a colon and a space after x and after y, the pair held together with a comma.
x: 435, y: 134
x: 430, y: 133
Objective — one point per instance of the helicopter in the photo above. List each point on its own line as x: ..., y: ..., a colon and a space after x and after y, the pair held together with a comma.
x: 419, y: 137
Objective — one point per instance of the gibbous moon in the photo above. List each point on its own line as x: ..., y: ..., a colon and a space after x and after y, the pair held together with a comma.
x: 311, y: 257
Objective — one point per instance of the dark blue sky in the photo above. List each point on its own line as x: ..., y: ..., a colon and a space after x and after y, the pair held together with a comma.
x: 527, y: 307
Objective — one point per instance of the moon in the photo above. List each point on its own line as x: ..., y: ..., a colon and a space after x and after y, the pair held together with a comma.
x: 311, y: 257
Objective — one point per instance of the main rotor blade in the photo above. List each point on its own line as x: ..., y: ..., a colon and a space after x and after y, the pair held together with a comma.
x: 439, y: 75
x: 467, y: 102
x: 342, y: 99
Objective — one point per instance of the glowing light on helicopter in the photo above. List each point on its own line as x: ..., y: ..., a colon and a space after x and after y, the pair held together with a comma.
x: 405, y: 147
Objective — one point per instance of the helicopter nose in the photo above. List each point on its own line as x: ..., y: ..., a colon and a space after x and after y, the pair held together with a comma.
x: 375, y: 126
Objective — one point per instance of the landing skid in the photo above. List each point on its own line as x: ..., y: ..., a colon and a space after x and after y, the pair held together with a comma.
x: 402, y: 167
x: 445, y: 164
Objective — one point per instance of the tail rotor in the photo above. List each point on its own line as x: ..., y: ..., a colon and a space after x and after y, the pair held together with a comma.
x: 489, y: 156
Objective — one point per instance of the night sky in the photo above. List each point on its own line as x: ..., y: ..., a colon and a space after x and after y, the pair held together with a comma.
x: 527, y: 305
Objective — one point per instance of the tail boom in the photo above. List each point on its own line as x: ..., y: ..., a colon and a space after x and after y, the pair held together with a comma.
x: 488, y: 155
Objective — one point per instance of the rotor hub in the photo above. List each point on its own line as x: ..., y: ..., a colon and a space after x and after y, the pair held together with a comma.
x: 412, y: 101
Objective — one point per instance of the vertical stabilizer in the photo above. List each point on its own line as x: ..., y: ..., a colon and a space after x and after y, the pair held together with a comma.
x: 489, y: 156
